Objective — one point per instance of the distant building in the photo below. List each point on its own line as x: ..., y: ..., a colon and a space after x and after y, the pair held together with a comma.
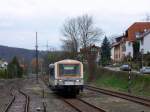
x: 123, y: 46
x: 118, y: 49
x: 3, y: 64
x: 92, y: 48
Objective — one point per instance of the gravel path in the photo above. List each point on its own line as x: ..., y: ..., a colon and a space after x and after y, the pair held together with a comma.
x: 5, y: 96
x: 53, y: 103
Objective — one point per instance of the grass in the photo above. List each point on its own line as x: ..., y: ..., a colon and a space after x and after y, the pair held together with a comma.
x: 111, y: 82
x: 140, y: 85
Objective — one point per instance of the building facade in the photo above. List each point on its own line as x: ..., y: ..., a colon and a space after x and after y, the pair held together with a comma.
x: 145, y: 42
x: 135, y: 30
x: 123, y: 46
x: 3, y: 64
x: 91, y: 49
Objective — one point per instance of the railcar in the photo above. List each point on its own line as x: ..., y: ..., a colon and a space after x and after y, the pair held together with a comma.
x: 66, y: 76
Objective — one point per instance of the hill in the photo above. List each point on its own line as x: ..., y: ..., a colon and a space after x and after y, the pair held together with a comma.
x: 7, y: 53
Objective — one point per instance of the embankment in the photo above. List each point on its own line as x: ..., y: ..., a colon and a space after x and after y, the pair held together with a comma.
x: 118, y: 81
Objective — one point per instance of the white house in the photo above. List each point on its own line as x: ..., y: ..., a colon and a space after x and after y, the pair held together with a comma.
x: 121, y: 49
x: 123, y: 45
x: 3, y: 64
x: 128, y: 50
x: 145, y: 42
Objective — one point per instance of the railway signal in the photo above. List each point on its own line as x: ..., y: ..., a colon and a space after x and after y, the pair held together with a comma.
x: 129, y: 76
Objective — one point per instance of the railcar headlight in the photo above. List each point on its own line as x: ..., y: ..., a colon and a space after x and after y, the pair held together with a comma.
x: 60, y: 80
x: 77, y: 80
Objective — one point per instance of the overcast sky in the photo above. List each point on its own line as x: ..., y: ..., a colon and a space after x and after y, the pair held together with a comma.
x: 20, y: 19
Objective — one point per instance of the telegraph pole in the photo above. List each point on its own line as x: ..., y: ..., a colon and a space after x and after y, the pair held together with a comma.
x: 37, y: 65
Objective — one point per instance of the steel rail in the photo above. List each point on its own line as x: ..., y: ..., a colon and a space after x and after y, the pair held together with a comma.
x: 79, y: 108
x: 94, y: 106
x: 26, y: 108
x: 73, y: 106
x: 10, y: 103
x: 142, y: 101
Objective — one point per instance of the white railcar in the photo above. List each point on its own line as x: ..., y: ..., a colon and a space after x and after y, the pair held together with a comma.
x: 66, y: 76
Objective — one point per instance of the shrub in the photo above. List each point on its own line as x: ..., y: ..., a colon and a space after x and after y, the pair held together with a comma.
x: 3, y: 73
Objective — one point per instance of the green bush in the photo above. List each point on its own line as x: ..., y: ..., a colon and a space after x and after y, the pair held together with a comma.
x: 3, y: 73
x: 14, y: 69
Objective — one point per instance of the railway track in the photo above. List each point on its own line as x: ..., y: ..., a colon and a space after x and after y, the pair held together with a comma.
x: 82, y: 106
x: 19, y: 102
x: 139, y: 100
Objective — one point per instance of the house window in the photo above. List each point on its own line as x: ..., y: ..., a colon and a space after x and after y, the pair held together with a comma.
x: 93, y: 49
x: 137, y: 34
x: 129, y: 54
x: 123, y: 47
x: 129, y: 44
x: 142, y: 41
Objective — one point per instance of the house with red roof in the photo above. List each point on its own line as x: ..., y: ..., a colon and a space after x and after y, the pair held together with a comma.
x: 123, y: 46
x: 133, y: 32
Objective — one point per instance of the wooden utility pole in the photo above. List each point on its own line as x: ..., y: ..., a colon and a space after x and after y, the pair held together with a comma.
x: 37, y: 63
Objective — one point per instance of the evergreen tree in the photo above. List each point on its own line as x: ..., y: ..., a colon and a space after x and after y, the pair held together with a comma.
x: 14, y: 69
x: 105, y: 52
x: 136, y: 50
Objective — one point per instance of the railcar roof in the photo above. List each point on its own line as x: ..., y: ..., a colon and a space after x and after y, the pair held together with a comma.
x: 68, y: 61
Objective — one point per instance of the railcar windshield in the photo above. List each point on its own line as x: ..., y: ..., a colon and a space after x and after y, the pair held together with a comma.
x: 69, y: 69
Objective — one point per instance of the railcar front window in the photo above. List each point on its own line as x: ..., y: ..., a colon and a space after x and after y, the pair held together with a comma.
x: 52, y: 72
x: 69, y: 69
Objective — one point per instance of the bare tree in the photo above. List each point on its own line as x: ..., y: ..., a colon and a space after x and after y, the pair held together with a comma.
x: 70, y: 31
x: 82, y: 31
x: 68, y: 45
x: 89, y: 34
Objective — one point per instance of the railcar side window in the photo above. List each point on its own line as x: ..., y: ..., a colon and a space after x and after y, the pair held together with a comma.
x: 69, y: 69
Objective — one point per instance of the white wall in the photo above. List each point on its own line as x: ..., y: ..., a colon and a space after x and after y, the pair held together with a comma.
x: 129, y: 48
x: 146, y: 44
x: 3, y: 65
